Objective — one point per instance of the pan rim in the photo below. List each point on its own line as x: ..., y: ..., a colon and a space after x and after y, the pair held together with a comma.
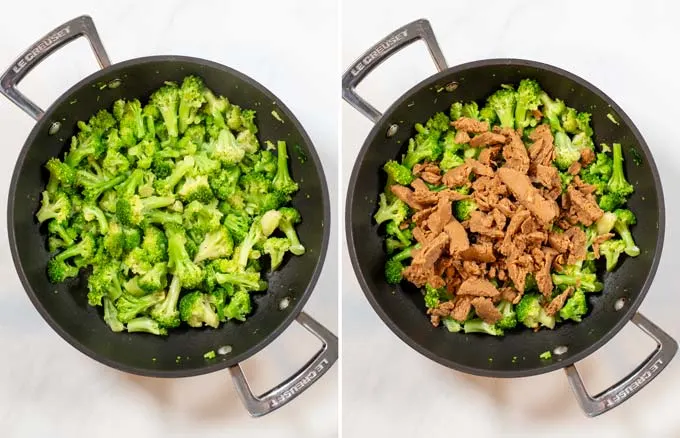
x: 625, y: 316
x: 296, y: 308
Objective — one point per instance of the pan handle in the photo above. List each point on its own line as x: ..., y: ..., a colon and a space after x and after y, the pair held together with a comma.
x: 635, y: 381
x: 295, y: 385
x: 45, y: 46
x: 373, y: 57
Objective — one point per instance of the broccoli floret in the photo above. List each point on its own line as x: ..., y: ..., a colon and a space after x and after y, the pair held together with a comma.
x: 270, y: 222
x: 146, y: 325
x: 86, y: 144
x: 224, y: 182
x: 201, y: 218
x: 104, y: 282
x: 400, y: 174
x: 479, y: 326
x: 166, y: 312
x: 394, y: 267
x: 206, y: 166
x: 289, y: 218
x: 191, y: 98
x: 111, y: 316
x: 463, y: 209
x: 276, y: 248
x: 92, y: 212
x: 179, y: 263
x: 239, y: 306
x: 59, y: 271
x: 155, y: 278
x: 509, y: 317
x: 433, y: 296
x: 57, y: 207
x: 452, y: 325
x: 137, y: 261
x: 552, y: 110
x: 451, y: 157
x: 528, y: 93
x: 617, y: 183
x: 456, y: 111
x: 226, y: 149
x: 216, y: 244
x: 215, y: 107
x: 247, y: 280
x: 132, y: 210
x: 115, y: 163
x: 155, y: 244
x: 143, y: 153
x: 405, y: 236
x: 471, y: 110
x: 60, y: 174
x: 196, y: 189
x: 66, y: 235
x: 624, y: 219
x: 582, y: 141
x: 248, y: 121
x: 566, y: 153
x: 575, y: 307
x: 248, y: 141
x: 114, y: 240
x: 503, y: 103
x: 166, y: 186
x: 282, y: 180
x: 576, y: 123
x: 425, y: 147
x: 129, y: 306
x: 166, y: 99
x: 395, y: 211
x: 266, y: 163
x: 255, y: 237
x: 611, y: 250
x: 611, y: 201
x: 196, y: 310
x: 573, y: 275
x: 531, y: 313
x: 237, y: 226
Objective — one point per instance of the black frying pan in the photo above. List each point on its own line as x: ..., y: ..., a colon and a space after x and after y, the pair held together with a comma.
x: 65, y: 306
x: 516, y: 354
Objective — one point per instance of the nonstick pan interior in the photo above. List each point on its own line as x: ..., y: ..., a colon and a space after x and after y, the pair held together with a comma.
x: 65, y: 306
x: 516, y: 354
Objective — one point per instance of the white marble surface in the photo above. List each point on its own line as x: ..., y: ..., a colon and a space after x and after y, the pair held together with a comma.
x: 623, y: 47
x: 47, y: 388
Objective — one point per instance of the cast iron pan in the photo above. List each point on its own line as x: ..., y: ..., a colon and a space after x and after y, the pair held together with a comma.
x: 65, y: 306
x: 516, y: 354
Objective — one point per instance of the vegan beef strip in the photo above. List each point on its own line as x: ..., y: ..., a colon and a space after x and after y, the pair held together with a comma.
x: 406, y: 195
x: 486, y: 139
x: 485, y: 309
x: 458, y: 238
x: 470, y: 125
x: 478, y: 287
x: 543, y: 278
x: 558, y: 302
x: 514, y: 152
x: 463, y: 305
x: 489, y: 155
x: 458, y: 176
x: 461, y: 137
x: 441, y: 216
x: 528, y: 195
x: 587, y: 157
x: 479, y: 252
x: 584, y: 206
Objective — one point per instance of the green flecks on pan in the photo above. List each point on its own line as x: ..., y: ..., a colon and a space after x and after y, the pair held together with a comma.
x: 114, y: 83
x: 73, y: 102
x: 103, y: 86
x: 300, y: 153
x: 514, y: 359
x: 209, y: 355
x: 178, y: 359
x: 440, y: 89
x: 277, y: 116
x: 490, y: 359
x: 411, y: 104
x: 610, y: 116
x: 637, y: 158
x: 546, y: 355
x: 153, y: 359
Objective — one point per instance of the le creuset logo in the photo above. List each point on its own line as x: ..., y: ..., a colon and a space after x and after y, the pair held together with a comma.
x: 382, y: 48
x: 41, y: 47
x: 628, y: 390
x: 299, y: 386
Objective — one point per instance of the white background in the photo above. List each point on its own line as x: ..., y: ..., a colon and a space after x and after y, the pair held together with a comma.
x: 49, y: 389
x: 627, y: 49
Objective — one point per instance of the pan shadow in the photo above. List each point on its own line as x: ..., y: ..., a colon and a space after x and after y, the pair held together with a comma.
x: 208, y: 398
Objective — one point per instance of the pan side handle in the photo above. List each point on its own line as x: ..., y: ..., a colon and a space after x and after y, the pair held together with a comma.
x: 295, y: 385
x: 41, y: 49
x: 373, y: 57
x: 632, y: 383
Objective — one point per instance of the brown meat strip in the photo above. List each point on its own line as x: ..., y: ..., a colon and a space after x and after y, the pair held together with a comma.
x: 486, y: 139
x: 515, y: 221
x: 520, y: 186
x: 479, y: 168
x: 483, y: 224
x: 441, y: 216
x: 461, y: 137
x: 598, y: 241
x: 431, y: 178
x: 486, y: 310
x: 586, y: 208
x: 458, y: 176
x: 514, y: 152
x: 558, y: 302
x: 542, y: 151
x: 470, y: 125
x: 559, y: 242
x: 406, y: 195
x: 479, y: 252
x: 488, y: 155
x: 543, y: 278
x: 458, y: 237
x: 462, y: 308
x: 587, y: 156
x: 477, y: 287
x: 547, y: 176
x: 577, y: 249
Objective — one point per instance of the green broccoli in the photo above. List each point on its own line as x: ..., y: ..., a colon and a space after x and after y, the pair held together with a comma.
x: 166, y: 99
x: 146, y: 325
x: 509, y: 316
x: 282, y: 181
x: 624, y: 219
x: 276, y: 248
x: 216, y: 244
x: 179, y: 261
x: 573, y: 275
x: 426, y: 148
x: 400, y: 174
x: 196, y: 310
x: 528, y: 93
x: 463, y: 209
x: 552, y: 110
x: 289, y: 218
x: 128, y: 306
x: 575, y: 307
x: 239, y: 306
x: 57, y: 207
x: 395, y: 211
x: 566, y: 153
x: 191, y: 98
x: 531, y: 313
x: 405, y: 236
x: 111, y: 316
x: 456, y: 111
x: 503, y: 103
x: 471, y: 110
x: 394, y: 266
x: 611, y: 250
x: 617, y: 183
x: 479, y: 326
x: 166, y: 312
